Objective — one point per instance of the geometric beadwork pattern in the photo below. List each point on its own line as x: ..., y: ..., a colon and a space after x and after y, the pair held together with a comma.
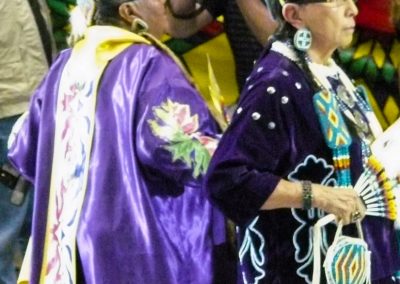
x: 347, y: 261
x: 331, y: 120
x: 302, y: 39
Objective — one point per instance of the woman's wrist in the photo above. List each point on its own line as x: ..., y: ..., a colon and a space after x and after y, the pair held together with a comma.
x: 308, y: 196
x: 320, y: 196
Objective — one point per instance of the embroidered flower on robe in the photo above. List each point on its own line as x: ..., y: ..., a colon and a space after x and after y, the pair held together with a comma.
x: 252, y: 255
x: 322, y: 173
x: 174, y: 124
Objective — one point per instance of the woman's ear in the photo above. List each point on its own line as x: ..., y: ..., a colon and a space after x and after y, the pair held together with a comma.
x: 292, y: 14
x: 128, y: 12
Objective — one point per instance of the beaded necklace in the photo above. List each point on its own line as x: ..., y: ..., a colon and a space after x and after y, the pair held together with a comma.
x: 330, y: 106
x: 373, y: 186
x: 334, y: 128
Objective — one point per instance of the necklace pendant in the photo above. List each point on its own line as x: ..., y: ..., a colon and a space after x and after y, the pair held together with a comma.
x: 345, y: 96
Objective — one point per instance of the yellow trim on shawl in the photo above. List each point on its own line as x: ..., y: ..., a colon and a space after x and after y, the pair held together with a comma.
x: 24, y: 273
x: 89, y: 56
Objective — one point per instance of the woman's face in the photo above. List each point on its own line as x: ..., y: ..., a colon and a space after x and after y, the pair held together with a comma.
x: 154, y: 13
x: 185, y: 9
x: 331, y: 23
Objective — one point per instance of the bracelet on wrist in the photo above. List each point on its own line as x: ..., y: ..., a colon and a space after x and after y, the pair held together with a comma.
x: 307, y: 194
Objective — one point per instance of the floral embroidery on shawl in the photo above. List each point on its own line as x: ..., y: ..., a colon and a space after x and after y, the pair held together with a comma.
x: 174, y: 124
x: 75, y: 107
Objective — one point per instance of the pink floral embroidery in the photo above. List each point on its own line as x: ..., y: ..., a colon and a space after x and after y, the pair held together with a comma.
x: 209, y: 143
x: 174, y: 124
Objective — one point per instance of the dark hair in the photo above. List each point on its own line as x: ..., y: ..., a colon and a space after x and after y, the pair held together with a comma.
x: 285, y: 32
x: 107, y: 12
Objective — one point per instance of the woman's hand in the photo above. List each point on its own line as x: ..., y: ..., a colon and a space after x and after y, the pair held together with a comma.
x: 342, y: 202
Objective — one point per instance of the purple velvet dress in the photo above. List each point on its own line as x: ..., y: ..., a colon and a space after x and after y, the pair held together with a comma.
x: 275, y: 133
x: 145, y: 216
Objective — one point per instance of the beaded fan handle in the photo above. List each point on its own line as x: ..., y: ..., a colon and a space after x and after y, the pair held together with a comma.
x: 377, y: 190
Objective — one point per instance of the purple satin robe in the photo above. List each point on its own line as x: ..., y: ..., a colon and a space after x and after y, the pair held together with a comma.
x: 145, y: 217
x: 275, y: 133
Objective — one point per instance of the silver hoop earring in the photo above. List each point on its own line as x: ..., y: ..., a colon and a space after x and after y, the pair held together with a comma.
x: 139, y: 26
x: 302, y: 39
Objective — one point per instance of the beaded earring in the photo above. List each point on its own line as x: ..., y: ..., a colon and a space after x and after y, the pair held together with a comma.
x: 302, y: 39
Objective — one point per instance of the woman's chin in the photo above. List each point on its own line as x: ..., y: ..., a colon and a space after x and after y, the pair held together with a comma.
x: 346, y: 43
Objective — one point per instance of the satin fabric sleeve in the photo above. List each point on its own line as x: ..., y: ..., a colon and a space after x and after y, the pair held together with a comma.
x: 24, y: 148
x: 23, y: 143
x: 243, y: 171
x: 176, y: 134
